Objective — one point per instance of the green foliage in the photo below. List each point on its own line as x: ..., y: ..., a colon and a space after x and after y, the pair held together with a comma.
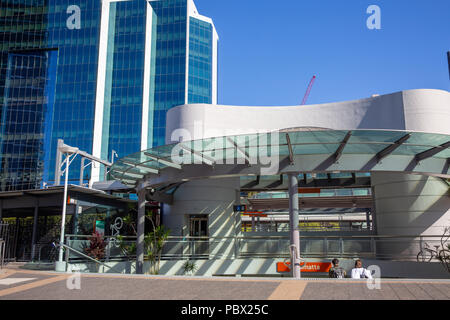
x: 154, y: 244
x: 96, y: 247
x: 189, y: 267
x: 154, y: 241
x: 129, y: 249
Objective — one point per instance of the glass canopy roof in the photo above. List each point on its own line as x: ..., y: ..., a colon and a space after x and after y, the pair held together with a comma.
x: 286, y: 143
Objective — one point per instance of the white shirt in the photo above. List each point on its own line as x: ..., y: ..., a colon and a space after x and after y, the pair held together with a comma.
x: 357, y: 272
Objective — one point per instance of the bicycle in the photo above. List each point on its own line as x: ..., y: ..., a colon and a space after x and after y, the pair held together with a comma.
x: 427, y: 254
x: 443, y: 255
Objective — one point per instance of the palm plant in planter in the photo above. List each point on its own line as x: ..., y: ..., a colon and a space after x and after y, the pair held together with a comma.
x: 154, y: 242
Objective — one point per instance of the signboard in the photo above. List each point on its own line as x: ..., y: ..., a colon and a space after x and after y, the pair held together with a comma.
x: 308, y: 190
x: 254, y: 214
x: 305, y: 267
x: 240, y: 208
x: 99, y: 227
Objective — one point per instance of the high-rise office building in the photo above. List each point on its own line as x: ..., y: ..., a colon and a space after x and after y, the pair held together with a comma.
x: 99, y: 74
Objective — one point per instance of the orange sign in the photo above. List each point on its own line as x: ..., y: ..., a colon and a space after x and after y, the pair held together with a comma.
x: 305, y: 267
x: 254, y: 214
x: 308, y: 190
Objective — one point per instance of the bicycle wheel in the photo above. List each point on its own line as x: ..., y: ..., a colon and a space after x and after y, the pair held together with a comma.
x: 424, y: 256
x: 444, y: 256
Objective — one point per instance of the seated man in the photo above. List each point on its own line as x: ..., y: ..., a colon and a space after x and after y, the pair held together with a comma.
x: 358, y: 272
x: 336, y: 271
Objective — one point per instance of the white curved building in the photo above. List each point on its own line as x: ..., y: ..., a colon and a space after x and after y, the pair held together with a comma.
x: 402, y: 208
x: 423, y: 110
x: 402, y: 139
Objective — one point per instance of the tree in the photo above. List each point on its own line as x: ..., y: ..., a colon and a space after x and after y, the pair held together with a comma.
x: 154, y: 242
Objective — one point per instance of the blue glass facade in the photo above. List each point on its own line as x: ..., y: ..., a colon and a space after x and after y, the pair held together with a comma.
x: 127, y: 43
x: 200, y: 61
x: 50, y: 59
x: 170, y: 72
x: 25, y: 115
x: 76, y: 77
x: 42, y: 26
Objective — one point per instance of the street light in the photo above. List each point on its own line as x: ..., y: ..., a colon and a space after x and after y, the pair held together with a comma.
x: 70, y: 152
x: 60, y: 265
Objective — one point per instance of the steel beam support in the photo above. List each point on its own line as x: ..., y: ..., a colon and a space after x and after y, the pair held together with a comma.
x: 240, y: 150
x: 337, y: 155
x: 140, y: 231
x: 145, y: 167
x: 164, y: 162
x: 205, y: 159
x: 431, y: 152
x: 387, y: 151
x: 291, y: 152
x: 82, y: 171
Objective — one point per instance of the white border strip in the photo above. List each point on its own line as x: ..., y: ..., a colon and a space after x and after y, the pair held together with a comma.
x: 100, y: 93
x: 147, y: 76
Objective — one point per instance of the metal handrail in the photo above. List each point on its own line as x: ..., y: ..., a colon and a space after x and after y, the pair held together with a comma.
x: 84, y: 255
x: 2, y: 253
x: 274, y: 237
x: 244, y: 246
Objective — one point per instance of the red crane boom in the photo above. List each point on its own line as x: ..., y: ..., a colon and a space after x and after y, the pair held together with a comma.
x: 308, y: 91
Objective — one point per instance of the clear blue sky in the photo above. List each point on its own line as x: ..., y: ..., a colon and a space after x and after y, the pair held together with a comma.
x: 269, y: 50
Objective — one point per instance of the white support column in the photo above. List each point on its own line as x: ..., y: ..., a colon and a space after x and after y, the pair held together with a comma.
x: 60, y: 265
x: 214, y: 65
x: 147, y: 79
x: 293, y: 225
x: 100, y: 96
x: 189, y: 9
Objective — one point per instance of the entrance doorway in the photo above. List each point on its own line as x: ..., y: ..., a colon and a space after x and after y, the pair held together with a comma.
x: 198, y: 232
x: 198, y: 226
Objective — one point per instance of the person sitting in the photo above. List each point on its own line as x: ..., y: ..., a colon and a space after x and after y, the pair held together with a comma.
x: 336, y: 271
x: 358, y: 272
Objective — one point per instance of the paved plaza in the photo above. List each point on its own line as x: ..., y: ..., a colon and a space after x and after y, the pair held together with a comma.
x: 20, y: 284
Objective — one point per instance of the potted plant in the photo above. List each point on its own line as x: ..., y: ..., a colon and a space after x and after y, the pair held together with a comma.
x: 96, y: 248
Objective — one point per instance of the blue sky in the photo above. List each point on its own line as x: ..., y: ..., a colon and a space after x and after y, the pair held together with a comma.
x: 269, y: 50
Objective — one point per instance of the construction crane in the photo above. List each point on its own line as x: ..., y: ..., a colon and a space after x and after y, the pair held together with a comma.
x: 305, y: 98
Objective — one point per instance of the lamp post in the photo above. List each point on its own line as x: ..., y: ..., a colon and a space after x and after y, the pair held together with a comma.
x: 60, y: 265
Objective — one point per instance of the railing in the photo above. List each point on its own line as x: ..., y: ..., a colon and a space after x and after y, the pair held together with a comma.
x: 284, y: 227
x: 374, y: 247
x: 69, y: 249
x: 9, y: 237
x: 2, y: 253
x: 348, y: 192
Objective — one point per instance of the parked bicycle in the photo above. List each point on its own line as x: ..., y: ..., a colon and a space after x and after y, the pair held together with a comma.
x: 427, y: 254
x: 441, y: 252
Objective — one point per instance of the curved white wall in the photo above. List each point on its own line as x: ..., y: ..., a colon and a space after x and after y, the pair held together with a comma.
x: 408, y: 204
x: 425, y: 110
x: 214, y: 198
x: 401, y: 206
